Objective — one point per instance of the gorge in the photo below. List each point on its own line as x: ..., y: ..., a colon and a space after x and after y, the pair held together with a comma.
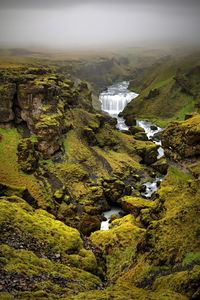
x: 65, y: 167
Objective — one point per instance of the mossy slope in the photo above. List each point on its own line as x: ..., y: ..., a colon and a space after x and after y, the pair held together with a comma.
x: 168, y: 90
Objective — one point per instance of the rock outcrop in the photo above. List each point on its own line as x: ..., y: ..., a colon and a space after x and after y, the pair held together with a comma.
x: 182, y: 140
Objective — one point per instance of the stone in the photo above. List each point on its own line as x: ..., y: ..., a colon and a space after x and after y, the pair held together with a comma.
x: 89, y: 224
x: 141, y: 136
x: 134, y: 205
x: 153, y: 127
x: 161, y: 165
x: 27, y: 155
x: 181, y: 140
x: 136, y: 129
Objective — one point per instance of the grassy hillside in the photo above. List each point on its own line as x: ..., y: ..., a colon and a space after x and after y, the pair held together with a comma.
x: 168, y: 90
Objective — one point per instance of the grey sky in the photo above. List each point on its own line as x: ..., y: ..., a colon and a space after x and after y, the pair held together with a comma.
x: 96, y: 23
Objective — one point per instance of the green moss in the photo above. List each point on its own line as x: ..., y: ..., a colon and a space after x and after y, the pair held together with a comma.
x: 191, y: 257
x: 53, y: 279
x: 119, y: 243
x: 51, y: 235
x: 186, y: 282
x: 177, y: 86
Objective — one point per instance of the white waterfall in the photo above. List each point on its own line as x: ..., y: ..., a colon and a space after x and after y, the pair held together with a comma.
x: 114, y: 100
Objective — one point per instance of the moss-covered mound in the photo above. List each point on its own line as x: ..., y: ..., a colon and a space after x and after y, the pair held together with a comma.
x: 26, y: 276
x: 38, y: 231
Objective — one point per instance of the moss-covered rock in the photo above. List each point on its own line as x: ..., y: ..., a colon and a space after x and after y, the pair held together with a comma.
x: 141, y: 136
x: 136, y: 129
x: 161, y: 165
x: 185, y: 282
x: 15, y: 192
x: 27, y: 155
x: 148, y: 152
x: 89, y: 224
x: 119, y: 243
x: 134, y: 205
x: 181, y: 140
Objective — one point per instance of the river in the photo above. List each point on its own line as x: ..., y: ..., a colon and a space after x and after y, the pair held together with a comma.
x: 114, y: 99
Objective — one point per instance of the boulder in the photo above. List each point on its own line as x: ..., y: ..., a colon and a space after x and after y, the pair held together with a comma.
x: 113, y: 190
x: 89, y: 224
x: 148, y: 152
x: 157, y: 136
x: 161, y: 166
x: 141, y: 136
x: 136, y: 129
x: 151, y: 154
x: 134, y: 205
x: 153, y: 127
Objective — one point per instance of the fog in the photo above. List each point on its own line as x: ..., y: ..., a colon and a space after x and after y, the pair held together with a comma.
x: 98, y: 23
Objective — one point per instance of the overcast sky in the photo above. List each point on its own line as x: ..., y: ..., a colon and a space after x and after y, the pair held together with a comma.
x: 98, y: 23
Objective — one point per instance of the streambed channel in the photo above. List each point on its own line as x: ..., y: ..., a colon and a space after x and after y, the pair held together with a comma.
x: 113, y: 100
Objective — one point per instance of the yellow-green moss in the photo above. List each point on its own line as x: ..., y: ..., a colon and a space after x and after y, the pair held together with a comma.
x: 118, y: 243
x: 53, y: 279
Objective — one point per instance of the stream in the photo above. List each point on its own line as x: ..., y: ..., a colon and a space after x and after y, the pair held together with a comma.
x: 114, y: 99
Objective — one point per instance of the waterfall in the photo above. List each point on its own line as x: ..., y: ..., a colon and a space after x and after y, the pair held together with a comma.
x: 114, y: 100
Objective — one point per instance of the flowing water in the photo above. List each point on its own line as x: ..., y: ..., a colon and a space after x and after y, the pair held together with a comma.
x: 114, y: 100
x: 108, y: 214
x: 147, y: 126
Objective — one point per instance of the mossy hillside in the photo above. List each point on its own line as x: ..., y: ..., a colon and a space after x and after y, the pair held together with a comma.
x: 118, y: 244
x: 36, y: 277
x: 10, y: 172
x: 40, y: 232
x: 176, y: 79
x: 168, y: 241
x: 187, y: 281
x: 125, y: 291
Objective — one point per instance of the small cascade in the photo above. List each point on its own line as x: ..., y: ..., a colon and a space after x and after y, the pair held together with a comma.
x: 151, y: 131
x: 115, y: 99
x: 152, y: 187
x: 108, y: 214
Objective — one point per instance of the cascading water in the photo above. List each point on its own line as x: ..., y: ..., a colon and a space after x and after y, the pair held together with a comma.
x: 147, y: 126
x: 114, y: 100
